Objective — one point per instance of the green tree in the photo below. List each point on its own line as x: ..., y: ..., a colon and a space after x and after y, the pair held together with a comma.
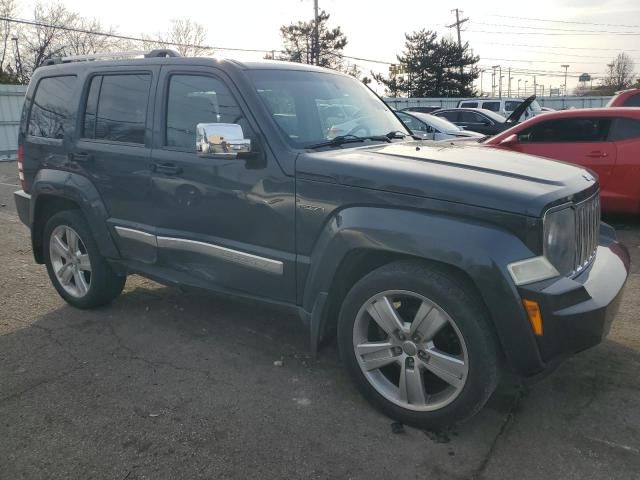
x: 298, y: 40
x: 430, y: 67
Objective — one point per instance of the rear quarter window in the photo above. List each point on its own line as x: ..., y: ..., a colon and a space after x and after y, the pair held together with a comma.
x: 53, y: 104
x: 633, y: 101
x: 469, y: 105
x: 624, y: 129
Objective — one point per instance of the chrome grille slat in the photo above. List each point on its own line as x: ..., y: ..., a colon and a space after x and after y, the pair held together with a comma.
x: 587, y: 231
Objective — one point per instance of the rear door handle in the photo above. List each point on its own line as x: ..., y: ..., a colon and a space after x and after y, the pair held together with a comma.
x: 597, y: 154
x: 80, y: 157
x: 166, y: 169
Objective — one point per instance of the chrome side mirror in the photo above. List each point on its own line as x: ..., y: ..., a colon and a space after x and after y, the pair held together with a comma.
x: 221, y: 139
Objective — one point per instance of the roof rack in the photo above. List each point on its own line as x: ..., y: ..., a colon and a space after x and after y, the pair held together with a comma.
x: 158, y: 53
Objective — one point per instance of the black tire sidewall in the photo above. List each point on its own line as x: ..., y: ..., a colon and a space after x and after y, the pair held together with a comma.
x: 462, y: 305
x: 105, y: 284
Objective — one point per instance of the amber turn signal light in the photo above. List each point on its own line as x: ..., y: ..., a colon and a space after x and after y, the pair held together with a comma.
x: 535, y: 317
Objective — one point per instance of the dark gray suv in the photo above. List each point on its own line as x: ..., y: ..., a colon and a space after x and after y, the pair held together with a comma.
x: 438, y: 266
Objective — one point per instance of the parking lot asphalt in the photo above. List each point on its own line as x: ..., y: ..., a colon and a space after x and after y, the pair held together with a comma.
x: 171, y: 384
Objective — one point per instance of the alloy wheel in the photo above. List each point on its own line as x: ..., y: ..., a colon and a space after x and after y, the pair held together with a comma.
x: 70, y: 261
x: 410, y: 350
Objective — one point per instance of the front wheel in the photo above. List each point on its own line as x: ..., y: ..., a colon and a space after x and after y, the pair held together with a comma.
x: 82, y: 277
x: 417, y: 342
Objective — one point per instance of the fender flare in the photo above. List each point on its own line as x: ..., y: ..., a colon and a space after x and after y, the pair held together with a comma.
x: 480, y: 250
x: 79, y: 190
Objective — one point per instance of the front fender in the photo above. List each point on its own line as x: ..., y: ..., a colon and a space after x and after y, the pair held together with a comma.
x: 480, y: 250
x: 79, y: 190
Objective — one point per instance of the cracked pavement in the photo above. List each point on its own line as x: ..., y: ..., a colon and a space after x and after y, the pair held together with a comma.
x: 167, y: 384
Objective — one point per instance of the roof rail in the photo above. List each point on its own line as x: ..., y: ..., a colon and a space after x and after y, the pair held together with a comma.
x: 158, y: 53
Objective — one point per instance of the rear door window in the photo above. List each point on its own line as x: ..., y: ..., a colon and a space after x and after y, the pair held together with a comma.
x: 116, y: 108
x: 52, y: 106
x: 575, y: 130
x: 624, y: 129
x: 510, y: 106
x: 471, y: 117
x: 493, y: 106
x: 451, y: 116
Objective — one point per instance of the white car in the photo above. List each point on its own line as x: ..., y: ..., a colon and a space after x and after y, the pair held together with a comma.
x: 503, y: 106
x: 430, y: 127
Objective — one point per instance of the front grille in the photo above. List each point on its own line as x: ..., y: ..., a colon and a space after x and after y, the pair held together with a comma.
x: 587, y: 231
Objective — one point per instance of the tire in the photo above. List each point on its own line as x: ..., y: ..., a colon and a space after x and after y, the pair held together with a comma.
x: 444, y: 345
x: 84, y: 279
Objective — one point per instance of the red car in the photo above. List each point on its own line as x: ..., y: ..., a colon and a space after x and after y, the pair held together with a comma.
x: 605, y: 140
x: 626, y: 98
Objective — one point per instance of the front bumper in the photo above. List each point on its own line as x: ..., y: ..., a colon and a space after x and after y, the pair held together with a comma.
x: 577, y: 313
x: 23, y: 206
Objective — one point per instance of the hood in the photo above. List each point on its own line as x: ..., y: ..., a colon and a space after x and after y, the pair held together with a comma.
x: 466, y: 133
x: 517, y: 113
x: 462, y: 172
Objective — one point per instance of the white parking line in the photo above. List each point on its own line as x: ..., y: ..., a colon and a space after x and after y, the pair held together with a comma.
x: 9, y: 184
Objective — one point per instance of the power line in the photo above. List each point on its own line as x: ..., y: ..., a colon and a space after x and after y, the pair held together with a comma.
x: 126, y: 37
x: 565, y: 21
x: 494, y: 32
x: 558, y: 47
x: 528, y: 27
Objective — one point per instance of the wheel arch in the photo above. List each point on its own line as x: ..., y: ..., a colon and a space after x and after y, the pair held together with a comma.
x: 54, y: 191
x: 361, y: 239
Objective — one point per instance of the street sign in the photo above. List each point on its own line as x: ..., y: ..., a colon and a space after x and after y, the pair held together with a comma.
x: 585, y: 77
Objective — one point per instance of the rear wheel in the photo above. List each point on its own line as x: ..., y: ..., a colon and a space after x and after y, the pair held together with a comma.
x: 418, y: 344
x: 82, y: 277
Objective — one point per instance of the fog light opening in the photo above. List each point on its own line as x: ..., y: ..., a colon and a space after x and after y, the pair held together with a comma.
x: 535, y: 317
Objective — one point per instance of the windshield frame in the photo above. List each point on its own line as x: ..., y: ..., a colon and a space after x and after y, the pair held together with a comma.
x: 438, y: 122
x: 254, y: 80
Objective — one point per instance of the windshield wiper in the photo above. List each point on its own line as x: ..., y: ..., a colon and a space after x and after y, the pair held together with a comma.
x: 342, y: 139
x: 339, y: 140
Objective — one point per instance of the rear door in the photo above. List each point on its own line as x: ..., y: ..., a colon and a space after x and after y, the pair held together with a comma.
x: 623, y: 189
x: 113, y: 148
x: 579, y: 140
x: 475, y: 122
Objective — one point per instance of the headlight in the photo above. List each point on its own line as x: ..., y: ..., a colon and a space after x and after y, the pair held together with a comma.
x: 559, y: 250
x: 560, y: 239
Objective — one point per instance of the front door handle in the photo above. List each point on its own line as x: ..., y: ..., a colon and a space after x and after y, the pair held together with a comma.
x: 597, y: 154
x: 166, y: 169
x: 80, y: 157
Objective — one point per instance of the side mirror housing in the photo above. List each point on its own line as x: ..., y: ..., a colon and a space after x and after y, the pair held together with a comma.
x: 221, y: 139
x: 510, y: 140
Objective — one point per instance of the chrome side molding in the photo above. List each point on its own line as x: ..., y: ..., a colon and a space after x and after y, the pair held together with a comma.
x: 267, y: 265
x: 137, y: 235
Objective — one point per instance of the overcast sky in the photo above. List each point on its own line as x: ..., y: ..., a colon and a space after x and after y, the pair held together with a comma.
x: 375, y: 29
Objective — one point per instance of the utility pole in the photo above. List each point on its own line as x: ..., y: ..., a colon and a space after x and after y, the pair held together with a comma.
x: 500, y: 87
x: 535, y: 86
x: 525, y: 87
x: 566, y: 67
x: 18, y: 61
x: 519, y: 80
x: 493, y: 80
x: 457, y: 25
x: 510, y: 78
x: 316, y: 35
x: 481, y: 77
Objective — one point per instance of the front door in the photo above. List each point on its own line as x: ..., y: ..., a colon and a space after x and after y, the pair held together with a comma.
x: 113, y: 148
x: 223, y: 223
x: 579, y: 140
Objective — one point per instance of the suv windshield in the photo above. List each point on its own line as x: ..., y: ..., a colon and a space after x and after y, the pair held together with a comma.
x: 315, y: 107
